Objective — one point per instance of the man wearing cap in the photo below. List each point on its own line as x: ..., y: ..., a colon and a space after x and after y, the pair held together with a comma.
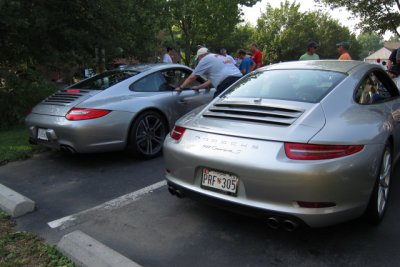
x: 311, y: 52
x: 221, y: 73
x: 343, y: 49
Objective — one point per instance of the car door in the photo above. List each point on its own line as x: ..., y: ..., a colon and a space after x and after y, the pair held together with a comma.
x: 378, y: 89
x: 187, y: 99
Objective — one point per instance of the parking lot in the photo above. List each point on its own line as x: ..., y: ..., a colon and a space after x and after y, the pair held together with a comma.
x: 124, y: 203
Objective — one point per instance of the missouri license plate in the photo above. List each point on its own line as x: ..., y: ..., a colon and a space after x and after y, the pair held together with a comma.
x: 219, y: 181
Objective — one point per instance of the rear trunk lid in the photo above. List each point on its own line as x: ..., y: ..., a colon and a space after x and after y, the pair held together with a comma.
x: 265, y: 119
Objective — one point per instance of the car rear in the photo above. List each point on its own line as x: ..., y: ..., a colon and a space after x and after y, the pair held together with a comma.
x: 68, y: 121
x: 256, y: 153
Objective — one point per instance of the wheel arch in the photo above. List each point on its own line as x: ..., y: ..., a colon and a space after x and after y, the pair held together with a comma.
x: 154, y: 109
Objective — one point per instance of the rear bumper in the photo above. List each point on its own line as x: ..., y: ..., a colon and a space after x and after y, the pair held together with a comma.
x: 269, y: 182
x: 107, y: 133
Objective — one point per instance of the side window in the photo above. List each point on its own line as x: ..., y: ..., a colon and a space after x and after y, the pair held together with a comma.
x: 175, y: 77
x: 373, y: 90
x: 152, y: 83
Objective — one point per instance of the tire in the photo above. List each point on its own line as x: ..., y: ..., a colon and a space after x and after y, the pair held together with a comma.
x: 379, y: 197
x: 147, y: 134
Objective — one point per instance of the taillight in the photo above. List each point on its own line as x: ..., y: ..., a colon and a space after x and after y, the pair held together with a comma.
x: 300, y: 151
x: 177, y: 133
x: 76, y: 114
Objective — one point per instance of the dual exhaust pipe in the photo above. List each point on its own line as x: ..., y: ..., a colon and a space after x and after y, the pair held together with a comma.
x: 175, y: 192
x: 287, y: 224
x: 273, y: 222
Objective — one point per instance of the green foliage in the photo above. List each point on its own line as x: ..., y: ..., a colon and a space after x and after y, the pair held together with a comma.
x: 206, y: 22
x: 376, y: 15
x: 240, y: 38
x: 369, y: 42
x: 19, y: 92
x: 14, y: 145
x: 67, y: 32
x: 284, y: 33
x: 26, y: 249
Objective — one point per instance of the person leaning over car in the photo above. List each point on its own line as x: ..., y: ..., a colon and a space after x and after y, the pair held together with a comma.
x: 220, y: 72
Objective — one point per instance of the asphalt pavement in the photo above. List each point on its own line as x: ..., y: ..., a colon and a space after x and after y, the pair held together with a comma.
x: 124, y: 204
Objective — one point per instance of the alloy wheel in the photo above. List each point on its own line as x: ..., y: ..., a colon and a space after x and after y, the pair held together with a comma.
x: 150, y: 135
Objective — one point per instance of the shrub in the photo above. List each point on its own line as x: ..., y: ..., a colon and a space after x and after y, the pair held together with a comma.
x: 19, y: 93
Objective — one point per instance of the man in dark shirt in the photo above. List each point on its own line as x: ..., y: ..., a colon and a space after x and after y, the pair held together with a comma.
x: 394, y: 58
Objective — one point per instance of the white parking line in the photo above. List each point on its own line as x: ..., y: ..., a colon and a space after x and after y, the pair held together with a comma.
x: 119, y: 202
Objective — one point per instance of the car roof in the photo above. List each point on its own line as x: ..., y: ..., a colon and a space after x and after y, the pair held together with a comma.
x: 344, y: 66
x: 153, y: 66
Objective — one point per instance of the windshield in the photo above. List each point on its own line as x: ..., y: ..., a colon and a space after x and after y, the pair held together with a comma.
x: 295, y: 85
x: 105, y: 80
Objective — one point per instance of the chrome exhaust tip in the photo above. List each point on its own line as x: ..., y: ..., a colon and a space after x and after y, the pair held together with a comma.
x: 290, y: 225
x: 171, y: 190
x: 273, y: 222
x: 179, y: 193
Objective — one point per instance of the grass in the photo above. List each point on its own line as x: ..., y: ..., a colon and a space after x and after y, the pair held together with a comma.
x: 14, y: 145
x: 22, y: 248
x: 26, y: 249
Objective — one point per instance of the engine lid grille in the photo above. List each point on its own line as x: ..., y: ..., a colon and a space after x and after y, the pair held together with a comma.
x: 268, y: 113
x: 64, y: 97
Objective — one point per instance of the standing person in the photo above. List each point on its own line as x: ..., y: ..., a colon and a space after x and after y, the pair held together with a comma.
x: 225, y: 54
x: 343, y: 49
x: 394, y: 58
x: 311, y: 52
x: 394, y: 73
x: 214, y: 67
x: 167, y: 58
x: 246, y: 63
x: 257, y: 56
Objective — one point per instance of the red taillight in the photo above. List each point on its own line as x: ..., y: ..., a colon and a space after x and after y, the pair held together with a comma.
x: 73, y: 91
x: 177, y: 133
x: 76, y: 114
x: 317, y: 152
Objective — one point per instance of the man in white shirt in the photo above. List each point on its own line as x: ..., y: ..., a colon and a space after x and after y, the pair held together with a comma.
x: 167, y: 56
x: 221, y: 73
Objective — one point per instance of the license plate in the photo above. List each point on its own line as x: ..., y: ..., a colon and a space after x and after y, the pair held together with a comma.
x: 42, y: 134
x: 219, y: 180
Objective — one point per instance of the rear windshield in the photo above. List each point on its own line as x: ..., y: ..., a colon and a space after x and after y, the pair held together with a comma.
x: 105, y: 80
x: 295, y: 85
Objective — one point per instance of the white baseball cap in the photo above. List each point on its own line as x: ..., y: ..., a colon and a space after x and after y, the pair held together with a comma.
x: 201, y: 51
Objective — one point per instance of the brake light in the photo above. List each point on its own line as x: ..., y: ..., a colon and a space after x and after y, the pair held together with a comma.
x: 300, y: 151
x: 73, y: 91
x: 177, y: 133
x: 76, y: 114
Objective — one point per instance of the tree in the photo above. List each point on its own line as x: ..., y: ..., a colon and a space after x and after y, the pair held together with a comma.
x: 206, y: 22
x: 369, y: 43
x: 39, y: 35
x: 376, y: 15
x: 284, y: 32
x: 56, y: 31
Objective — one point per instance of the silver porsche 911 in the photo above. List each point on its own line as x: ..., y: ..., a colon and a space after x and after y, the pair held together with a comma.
x: 133, y: 108
x: 309, y: 142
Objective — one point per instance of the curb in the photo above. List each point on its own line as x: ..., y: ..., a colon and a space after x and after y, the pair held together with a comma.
x: 14, y: 203
x: 83, y: 250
